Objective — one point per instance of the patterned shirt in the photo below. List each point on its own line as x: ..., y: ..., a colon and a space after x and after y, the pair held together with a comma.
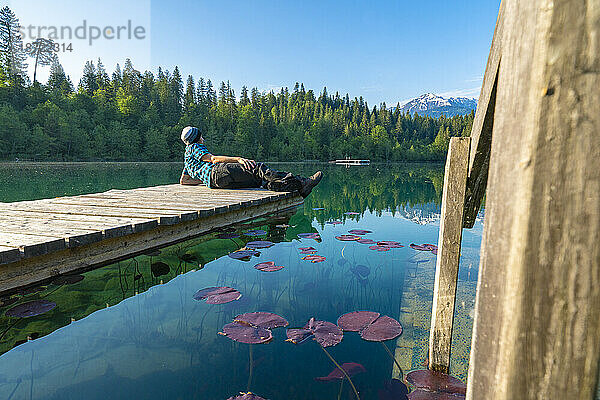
x: 194, y: 166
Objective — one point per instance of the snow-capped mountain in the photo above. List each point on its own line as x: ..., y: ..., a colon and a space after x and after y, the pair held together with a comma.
x: 434, y: 105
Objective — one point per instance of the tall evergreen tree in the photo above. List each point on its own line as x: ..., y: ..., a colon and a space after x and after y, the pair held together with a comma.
x: 190, y: 95
x: 58, y: 81
x: 88, y: 83
x: 42, y: 51
x: 12, y: 54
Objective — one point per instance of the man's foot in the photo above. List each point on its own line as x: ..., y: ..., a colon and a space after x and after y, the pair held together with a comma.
x: 310, y: 183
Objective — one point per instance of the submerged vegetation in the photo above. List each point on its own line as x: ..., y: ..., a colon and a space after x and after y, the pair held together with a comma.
x: 131, y: 115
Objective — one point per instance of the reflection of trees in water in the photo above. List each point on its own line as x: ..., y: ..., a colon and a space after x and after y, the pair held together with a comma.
x: 376, y: 188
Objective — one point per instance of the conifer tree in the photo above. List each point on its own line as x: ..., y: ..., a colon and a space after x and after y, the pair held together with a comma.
x: 88, y: 83
x: 42, y: 51
x: 58, y: 81
x: 190, y: 94
x: 12, y: 54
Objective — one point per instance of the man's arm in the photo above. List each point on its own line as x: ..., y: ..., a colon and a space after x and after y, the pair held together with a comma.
x: 248, y: 164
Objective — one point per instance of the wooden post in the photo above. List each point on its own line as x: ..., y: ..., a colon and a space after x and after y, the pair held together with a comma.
x: 537, y: 316
x: 446, y: 270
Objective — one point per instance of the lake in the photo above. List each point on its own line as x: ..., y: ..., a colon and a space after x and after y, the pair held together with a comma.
x: 134, y: 330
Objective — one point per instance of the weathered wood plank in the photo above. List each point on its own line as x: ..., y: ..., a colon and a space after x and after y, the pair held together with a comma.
x: 34, y: 269
x: 446, y: 271
x: 61, y: 228
x: 32, y: 245
x: 9, y: 254
x: 138, y: 224
x: 481, y: 132
x: 537, y: 317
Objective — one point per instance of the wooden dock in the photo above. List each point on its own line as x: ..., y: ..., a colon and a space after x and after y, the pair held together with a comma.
x: 43, y: 238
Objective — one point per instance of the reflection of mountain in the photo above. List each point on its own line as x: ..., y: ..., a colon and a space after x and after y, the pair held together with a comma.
x: 424, y: 214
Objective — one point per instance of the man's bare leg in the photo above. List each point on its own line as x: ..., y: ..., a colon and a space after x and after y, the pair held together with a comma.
x: 188, y: 180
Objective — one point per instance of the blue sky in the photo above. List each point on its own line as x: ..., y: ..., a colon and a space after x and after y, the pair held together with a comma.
x: 381, y: 50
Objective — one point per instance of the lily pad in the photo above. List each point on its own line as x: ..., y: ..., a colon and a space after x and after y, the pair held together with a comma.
x: 318, y: 208
x: 307, y: 248
x: 334, y: 222
x: 268, y: 266
x: 351, y: 213
x: 325, y: 333
x: 434, y: 381
x: 351, y: 369
x: 421, y: 394
x: 256, y: 232
x: 314, y: 258
x: 347, y: 238
x: 366, y: 241
x: 308, y: 252
x: 430, y: 247
x: 372, y: 326
x: 228, y: 235
x: 309, y: 236
x: 423, y: 247
x: 246, y: 396
x: 187, y: 257
x: 245, y: 333
x: 30, y: 308
x: 359, y: 231
x: 159, y: 269
x: 259, y: 244
x: 244, y: 255
x: 379, y: 248
x: 389, y: 244
x: 262, y: 319
x: 67, y: 279
x: 217, y: 295
x: 356, y: 321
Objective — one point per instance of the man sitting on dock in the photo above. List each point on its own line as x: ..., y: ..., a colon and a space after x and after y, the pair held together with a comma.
x: 224, y: 172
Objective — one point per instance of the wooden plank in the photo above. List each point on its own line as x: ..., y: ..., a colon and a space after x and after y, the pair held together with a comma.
x: 182, y: 199
x: 446, y: 271
x: 481, y: 132
x: 537, y: 315
x: 31, y: 245
x: 138, y: 224
x: 54, y: 227
x: 9, y: 254
x: 164, y: 217
x: 34, y: 269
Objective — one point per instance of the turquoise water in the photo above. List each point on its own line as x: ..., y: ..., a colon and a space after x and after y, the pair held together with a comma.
x: 122, y: 333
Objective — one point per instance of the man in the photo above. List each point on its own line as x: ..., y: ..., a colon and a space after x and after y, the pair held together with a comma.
x: 223, y: 172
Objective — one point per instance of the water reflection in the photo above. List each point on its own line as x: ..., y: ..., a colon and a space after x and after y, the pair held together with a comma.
x: 155, y: 341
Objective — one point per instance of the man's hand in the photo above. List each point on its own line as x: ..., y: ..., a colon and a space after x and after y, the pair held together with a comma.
x: 248, y: 165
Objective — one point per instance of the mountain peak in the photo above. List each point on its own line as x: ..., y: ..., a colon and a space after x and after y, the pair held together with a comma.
x: 434, y: 105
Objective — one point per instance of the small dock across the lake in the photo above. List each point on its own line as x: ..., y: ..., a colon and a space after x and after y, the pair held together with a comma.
x: 43, y: 238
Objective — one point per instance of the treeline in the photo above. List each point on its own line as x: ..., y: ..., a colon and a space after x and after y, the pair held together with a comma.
x: 133, y: 116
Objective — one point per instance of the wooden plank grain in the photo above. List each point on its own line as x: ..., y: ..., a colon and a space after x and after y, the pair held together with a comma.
x: 32, y: 245
x: 537, y: 314
x: 481, y: 132
x: 446, y: 270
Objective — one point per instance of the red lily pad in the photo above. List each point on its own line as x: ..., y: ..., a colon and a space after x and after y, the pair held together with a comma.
x: 359, y: 231
x: 325, y: 333
x: 430, y: 246
x: 379, y: 248
x: 244, y: 333
x: 217, y: 295
x: 351, y: 369
x: 352, y: 213
x: 262, y: 319
x: 418, y: 247
x: 308, y: 252
x: 421, y: 394
x: 384, y: 328
x: 228, y: 235
x: 366, y: 241
x: 390, y: 244
x: 393, y: 389
x: 307, y: 248
x: 30, y: 308
x: 259, y: 244
x: 334, y: 222
x: 246, y: 396
x: 356, y: 321
x: 244, y: 255
x: 67, y: 279
x: 268, y: 266
x: 314, y: 258
x: 256, y: 232
x: 347, y: 238
x: 311, y: 235
x: 436, y: 382
x: 434, y: 251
